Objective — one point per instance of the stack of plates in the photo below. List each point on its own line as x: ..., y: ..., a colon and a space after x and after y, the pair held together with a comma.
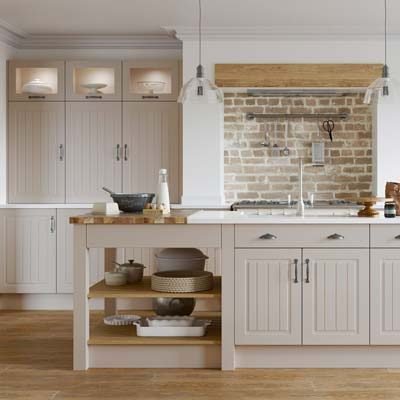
x: 182, y: 281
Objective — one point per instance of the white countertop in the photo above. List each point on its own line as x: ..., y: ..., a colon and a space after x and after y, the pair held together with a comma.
x: 334, y: 216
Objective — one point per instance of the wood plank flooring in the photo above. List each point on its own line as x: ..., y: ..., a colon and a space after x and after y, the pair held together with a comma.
x: 36, y: 363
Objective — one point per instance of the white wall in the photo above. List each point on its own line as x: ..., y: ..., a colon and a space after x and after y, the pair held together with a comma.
x: 346, y: 50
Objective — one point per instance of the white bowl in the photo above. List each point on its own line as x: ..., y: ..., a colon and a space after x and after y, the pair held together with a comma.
x: 170, y: 321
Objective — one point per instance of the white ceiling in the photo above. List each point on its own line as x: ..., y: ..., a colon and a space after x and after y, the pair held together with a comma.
x: 149, y: 16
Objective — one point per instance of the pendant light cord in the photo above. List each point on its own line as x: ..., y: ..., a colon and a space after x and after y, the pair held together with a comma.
x: 200, y: 32
x: 385, y: 32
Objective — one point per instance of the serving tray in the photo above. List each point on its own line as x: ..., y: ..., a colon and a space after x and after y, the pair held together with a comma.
x: 199, y: 328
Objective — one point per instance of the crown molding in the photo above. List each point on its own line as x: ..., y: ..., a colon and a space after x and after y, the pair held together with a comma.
x: 21, y: 40
x: 261, y: 33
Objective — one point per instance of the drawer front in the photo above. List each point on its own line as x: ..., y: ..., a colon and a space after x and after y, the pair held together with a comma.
x: 324, y: 236
x: 385, y: 236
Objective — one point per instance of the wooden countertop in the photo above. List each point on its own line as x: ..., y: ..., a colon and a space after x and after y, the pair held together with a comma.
x: 175, y: 217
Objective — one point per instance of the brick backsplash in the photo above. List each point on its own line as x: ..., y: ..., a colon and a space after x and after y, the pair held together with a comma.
x: 252, y: 172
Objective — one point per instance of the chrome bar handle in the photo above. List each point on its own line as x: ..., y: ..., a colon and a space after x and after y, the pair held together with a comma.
x: 125, y: 152
x: 268, y: 236
x: 296, y: 280
x: 52, y: 224
x: 61, y: 152
x: 307, y: 270
x: 335, y: 236
x: 118, y: 158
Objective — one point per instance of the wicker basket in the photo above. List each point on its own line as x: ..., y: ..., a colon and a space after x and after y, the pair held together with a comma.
x: 182, y: 281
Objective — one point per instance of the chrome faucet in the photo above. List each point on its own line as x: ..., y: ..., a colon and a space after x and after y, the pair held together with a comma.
x: 300, y: 203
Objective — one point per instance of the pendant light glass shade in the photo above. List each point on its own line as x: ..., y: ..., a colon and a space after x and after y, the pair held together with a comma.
x: 200, y: 90
x: 379, y: 87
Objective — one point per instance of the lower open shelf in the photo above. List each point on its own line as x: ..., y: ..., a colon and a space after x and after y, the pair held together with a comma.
x: 101, y: 334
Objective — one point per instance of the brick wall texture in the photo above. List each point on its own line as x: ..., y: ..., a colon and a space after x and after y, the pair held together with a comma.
x: 254, y: 172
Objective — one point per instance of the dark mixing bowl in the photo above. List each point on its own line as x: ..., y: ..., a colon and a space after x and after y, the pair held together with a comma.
x: 133, y: 203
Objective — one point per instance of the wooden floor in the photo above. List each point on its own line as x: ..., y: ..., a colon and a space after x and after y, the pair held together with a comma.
x: 36, y: 362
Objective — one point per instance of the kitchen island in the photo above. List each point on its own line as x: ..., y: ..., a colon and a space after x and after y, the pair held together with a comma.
x: 318, y: 291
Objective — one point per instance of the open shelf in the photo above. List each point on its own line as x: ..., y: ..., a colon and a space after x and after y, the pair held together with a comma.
x: 101, y: 334
x: 143, y: 290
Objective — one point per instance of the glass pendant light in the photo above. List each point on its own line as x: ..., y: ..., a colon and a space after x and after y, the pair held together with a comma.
x: 199, y: 90
x: 381, y: 85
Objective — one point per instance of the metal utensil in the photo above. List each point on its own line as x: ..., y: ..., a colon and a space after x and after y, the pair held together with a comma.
x: 329, y: 126
x: 266, y: 142
x: 285, y: 150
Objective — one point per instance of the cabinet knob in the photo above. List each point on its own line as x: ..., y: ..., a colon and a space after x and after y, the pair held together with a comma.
x: 397, y: 237
x: 336, y: 236
x: 92, y: 96
x: 268, y: 236
x: 36, y: 97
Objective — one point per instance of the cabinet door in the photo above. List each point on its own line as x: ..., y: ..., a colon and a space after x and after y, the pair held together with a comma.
x: 336, y: 296
x: 151, y: 80
x: 65, y: 250
x: 268, y: 297
x: 93, y: 80
x: 36, y: 138
x: 93, y: 157
x: 385, y: 296
x: 36, y: 80
x: 151, y: 142
x: 28, y: 251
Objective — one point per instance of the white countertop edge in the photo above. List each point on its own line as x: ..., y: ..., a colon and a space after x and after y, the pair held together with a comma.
x: 230, y: 217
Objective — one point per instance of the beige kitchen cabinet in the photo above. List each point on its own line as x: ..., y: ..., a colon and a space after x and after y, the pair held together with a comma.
x: 65, y: 253
x: 28, y: 251
x: 336, y: 296
x: 385, y: 296
x: 36, y: 152
x: 34, y: 80
x: 94, y: 80
x: 94, y: 153
x: 268, y: 297
x: 151, y: 80
x: 150, y: 142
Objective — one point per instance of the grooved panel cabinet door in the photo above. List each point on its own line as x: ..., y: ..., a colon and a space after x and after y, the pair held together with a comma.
x: 151, y: 142
x: 94, y: 156
x: 28, y: 251
x: 36, y: 152
x: 65, y: 250
x: 385, y: 296
x: 267, y: 297
x: 336, y: 296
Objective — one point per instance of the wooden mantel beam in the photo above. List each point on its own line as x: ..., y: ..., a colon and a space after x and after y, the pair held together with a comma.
x: 296, y: 75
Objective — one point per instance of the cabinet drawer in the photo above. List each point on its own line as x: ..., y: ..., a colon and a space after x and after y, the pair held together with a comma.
x: 385, y: 236
x: 302, y: 236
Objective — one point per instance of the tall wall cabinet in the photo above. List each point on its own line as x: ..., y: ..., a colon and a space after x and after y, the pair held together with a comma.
x: 107, y: 123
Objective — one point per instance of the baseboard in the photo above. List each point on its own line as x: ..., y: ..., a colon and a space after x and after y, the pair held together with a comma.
x: 159, y: 356
x: 317, y: 357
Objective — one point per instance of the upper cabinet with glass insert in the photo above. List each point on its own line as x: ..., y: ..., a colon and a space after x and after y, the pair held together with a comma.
x: 151, y: 80
x: 93, y: 80
x: 36, y: 80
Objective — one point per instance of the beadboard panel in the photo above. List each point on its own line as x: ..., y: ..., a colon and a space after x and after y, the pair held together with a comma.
x: 28, y: 251
x: 385, y: 292
x: 268, y: 300
x: 336, y: 298
x: 151, y: 142
x: 93, y: 134
x: 35, y: 161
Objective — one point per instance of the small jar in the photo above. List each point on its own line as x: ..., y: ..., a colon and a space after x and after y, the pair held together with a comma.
x: 390, y: 209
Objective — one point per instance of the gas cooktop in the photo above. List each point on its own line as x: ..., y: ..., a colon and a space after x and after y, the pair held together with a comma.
x: 257, y: 204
